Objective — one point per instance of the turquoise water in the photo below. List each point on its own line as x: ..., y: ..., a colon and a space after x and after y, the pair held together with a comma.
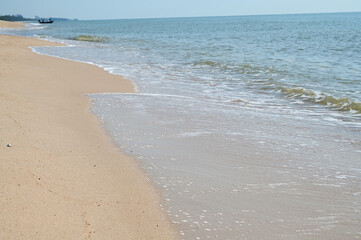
x: 249, y: 126
x: 310, y: 58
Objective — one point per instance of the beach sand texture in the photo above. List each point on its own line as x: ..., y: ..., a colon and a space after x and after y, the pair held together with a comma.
x: 61, y: 177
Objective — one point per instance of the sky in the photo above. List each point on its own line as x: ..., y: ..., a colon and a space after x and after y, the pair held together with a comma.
x: 120, y: 9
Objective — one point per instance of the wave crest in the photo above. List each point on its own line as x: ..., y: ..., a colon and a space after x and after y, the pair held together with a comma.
x: 90, y: 38
x: 258, y: 77
x: 340, y: 104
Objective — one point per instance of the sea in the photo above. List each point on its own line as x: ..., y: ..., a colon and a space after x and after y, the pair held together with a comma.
x: 249, y: 127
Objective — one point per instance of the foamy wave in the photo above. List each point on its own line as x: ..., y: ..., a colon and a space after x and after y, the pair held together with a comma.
x: 35, y: 26
x: 243, y: 68
x: 269, y: 83
x: 143, y: 95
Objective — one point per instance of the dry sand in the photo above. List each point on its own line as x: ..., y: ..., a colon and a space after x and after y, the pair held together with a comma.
x: 6, y: 24
x: 62, y: 177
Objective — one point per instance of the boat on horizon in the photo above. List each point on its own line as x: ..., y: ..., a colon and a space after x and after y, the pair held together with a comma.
x: 42, y: 21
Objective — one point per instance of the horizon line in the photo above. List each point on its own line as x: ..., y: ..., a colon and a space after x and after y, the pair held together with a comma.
x: 201, y: 16
x: 206, y: 16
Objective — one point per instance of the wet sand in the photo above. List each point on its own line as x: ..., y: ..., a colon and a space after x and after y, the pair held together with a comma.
x: 61, y: 176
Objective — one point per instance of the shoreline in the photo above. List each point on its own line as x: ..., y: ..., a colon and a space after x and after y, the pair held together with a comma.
x: 228, y: 157
x: 62, y: 177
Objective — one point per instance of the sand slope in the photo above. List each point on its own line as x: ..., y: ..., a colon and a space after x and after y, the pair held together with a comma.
x: 62, y: 177
x: 6, y: 24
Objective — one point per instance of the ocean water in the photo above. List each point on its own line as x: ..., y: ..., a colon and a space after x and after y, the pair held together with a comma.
x: 249, y: 126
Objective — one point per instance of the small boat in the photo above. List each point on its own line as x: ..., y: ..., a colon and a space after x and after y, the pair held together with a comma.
x: 45, y: 21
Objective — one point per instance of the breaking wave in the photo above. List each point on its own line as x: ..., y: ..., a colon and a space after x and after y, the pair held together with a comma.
x: 258, y: 77
x: 90, y: 38
x: 340, y: 104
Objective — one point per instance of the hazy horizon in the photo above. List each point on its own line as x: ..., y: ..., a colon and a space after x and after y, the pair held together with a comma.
x: 305, y: 13
x: 110, y: 9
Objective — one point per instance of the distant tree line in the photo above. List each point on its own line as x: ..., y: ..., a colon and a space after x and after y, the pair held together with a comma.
x: 16, y: 17
x: 19, y: 17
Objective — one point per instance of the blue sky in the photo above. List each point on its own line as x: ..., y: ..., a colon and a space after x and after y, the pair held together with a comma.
x: 117, y: 9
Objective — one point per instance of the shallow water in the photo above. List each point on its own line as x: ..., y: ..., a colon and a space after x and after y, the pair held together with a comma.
x: 247, y: 173
x: 249, y: 126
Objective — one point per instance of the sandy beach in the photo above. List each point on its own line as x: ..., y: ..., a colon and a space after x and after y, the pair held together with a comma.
x: 6, y: 24
x: 230, y: 128
x: 60, y: 175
